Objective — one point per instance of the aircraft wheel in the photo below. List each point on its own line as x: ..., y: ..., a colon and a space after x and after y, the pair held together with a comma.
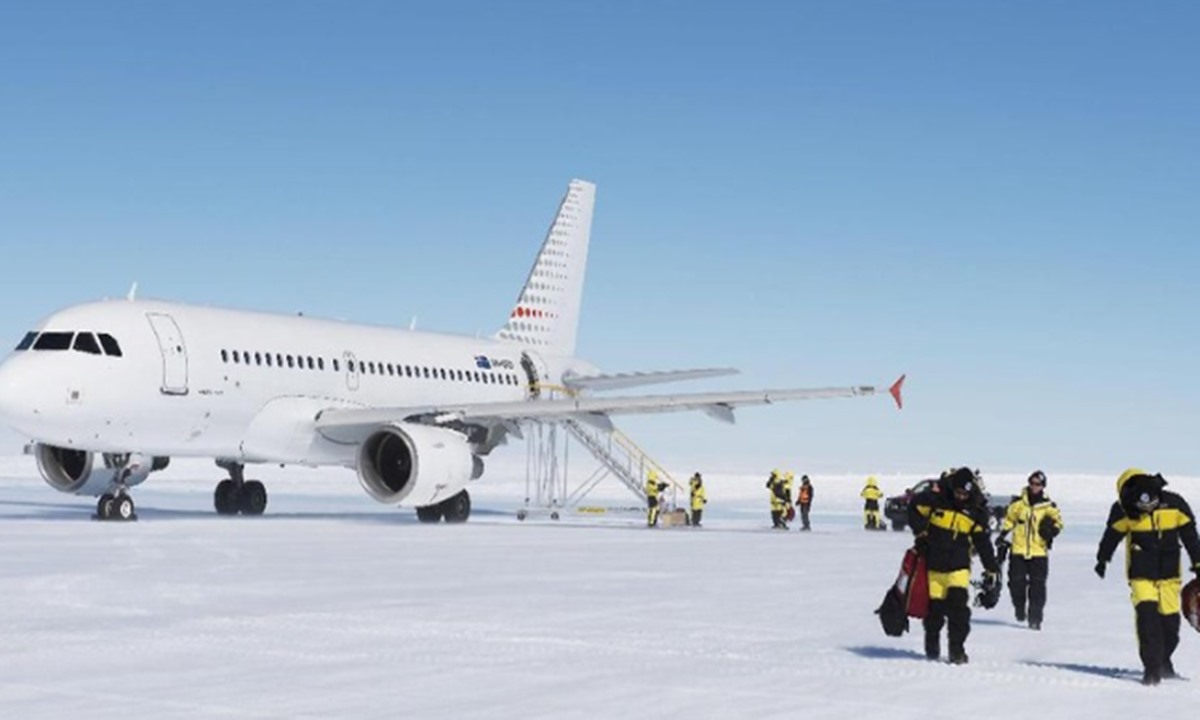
x: 253, y: 498
x: 429, y: 514
x: 123, y: 509
x: 457, y: 509
x: 104, y: 508
x: 225, y: 498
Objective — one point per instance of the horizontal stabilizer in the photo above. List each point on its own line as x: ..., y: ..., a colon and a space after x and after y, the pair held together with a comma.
x: 621, y: 381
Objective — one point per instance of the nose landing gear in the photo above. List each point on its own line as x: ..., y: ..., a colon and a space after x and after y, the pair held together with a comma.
x: 115, y: 506
x: 236, y: 494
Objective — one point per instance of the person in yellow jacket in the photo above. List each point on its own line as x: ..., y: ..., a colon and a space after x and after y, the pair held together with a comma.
x: 698, y: 498
x: 1033, y: 520
x: 778, y: 506
x: 871, y: 495
x: 1153, y: 522
x: 789, y: 512
x: 653, y: 488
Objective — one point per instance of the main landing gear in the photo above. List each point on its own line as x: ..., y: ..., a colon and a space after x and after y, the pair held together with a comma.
x: 236, y: 494
x: 455, y: 510
x: 116, y: 506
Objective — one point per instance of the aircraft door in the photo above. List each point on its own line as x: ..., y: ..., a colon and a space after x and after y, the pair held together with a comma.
x: 531, y: 375
x: 351, y: 370
x: 174, y: 353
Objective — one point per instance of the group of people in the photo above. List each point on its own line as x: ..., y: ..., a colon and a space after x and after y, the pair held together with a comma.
x: 779, y: 487
x: 654, y: 488
x: 949, y: 528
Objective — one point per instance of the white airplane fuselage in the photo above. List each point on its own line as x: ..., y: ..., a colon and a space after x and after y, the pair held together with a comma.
x: 195, y: 381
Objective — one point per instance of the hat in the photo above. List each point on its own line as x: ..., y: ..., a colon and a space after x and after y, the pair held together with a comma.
x: 1039, y: 477
x: 962, y: 478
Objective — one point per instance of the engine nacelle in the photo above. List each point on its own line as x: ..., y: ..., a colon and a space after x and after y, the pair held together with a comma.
x: 415, y: 464
x: 77, y: 472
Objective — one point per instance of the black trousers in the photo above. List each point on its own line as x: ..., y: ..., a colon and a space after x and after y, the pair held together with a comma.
x: 804, y: 514
x: 1158, y: 636
x: 696, y: 515
x: 1027, y: 585
x: 777, y: 519
x: 954, y: 612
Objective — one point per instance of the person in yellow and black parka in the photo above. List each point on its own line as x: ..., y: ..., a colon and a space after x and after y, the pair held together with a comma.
x: 778, y: 505
x: 698, y: 498
x: 1034, y: 521
x: 947, y: 524
x: 653, y: 488
x: 871, y: 495
x: 1153, y: 522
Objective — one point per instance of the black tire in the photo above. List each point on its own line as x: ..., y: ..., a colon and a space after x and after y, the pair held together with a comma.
x: 225, y: 498
x: 253, y: 498
x: 104, y: 508
x: 458, y: 508
x: 521, y: 514
x: 429, y: 513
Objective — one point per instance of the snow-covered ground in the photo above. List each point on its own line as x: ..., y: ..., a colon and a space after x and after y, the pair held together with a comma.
x: 333, y: 606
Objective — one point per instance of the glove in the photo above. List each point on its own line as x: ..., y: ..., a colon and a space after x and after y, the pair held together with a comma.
x: 1101, y: 566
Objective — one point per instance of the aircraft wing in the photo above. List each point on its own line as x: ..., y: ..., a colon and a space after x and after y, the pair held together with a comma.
x: 620, y: 381
x: 350, y: 422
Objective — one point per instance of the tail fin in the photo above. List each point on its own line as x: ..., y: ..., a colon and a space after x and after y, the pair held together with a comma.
x: 546, y: 314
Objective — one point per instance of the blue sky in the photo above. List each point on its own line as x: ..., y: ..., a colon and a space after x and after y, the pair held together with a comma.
x: 998, y: 199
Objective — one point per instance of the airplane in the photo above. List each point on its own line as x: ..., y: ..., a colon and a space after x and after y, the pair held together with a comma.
x: 109, y: 391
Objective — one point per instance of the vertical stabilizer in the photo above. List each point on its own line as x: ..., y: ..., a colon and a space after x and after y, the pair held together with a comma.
x: 546, y: 315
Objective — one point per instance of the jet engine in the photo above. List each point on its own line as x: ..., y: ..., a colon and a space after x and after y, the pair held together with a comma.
x: 417, y: 464
x: 78, y: 472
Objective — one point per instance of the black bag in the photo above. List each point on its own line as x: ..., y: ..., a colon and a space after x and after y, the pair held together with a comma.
x: 892, y: 614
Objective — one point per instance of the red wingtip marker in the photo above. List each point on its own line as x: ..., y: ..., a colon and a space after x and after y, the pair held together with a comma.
x: 895, y: 391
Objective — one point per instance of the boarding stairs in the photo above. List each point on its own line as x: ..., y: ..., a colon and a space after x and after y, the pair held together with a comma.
x: 619, y: 457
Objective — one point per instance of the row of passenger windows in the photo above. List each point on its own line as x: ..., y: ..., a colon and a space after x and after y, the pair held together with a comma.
x: 85, y: 342
x: 307, y: 362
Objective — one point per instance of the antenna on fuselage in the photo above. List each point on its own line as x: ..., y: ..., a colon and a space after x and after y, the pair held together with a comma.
x: 132, y: 292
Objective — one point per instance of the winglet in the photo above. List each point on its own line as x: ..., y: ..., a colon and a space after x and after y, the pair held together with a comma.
x: 132, y: 295
x: 895, y: 391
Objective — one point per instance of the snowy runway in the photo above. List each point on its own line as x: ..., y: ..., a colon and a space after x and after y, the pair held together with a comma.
x: 331, y: 606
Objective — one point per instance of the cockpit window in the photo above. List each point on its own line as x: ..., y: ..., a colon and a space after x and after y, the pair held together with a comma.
x: 110, y: 345
x: 27, y: 341
x: 53, y: 341
x: 86, y: 342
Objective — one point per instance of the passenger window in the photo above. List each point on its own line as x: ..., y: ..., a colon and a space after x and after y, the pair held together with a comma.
x: 290, y: 361
x: 335, y: 365
x: 236, y: 357
x: 268, y: 357
x: 425, y: 372
x: 310, y: 362
x: 110, y: 344
x: 320, y: 363
x: 258, y: 358
x: 278, y: 360
x: 27, y: 341
x: 86, y: 342
x: 224, y: 356
x: 53, y: 341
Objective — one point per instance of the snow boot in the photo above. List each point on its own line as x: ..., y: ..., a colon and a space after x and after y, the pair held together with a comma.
x: 1151, y: 677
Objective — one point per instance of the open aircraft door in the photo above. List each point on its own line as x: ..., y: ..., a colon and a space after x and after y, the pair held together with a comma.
x: 174, y: 353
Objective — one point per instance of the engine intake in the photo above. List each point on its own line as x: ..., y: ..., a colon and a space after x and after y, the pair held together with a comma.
x: 416, y: 464
x: 75, y: 471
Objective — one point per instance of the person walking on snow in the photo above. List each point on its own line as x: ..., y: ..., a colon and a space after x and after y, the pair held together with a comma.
x: 1153, y: 522
x: 778, y: 507
x: 1034, y: 521
x: 947, y: 526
